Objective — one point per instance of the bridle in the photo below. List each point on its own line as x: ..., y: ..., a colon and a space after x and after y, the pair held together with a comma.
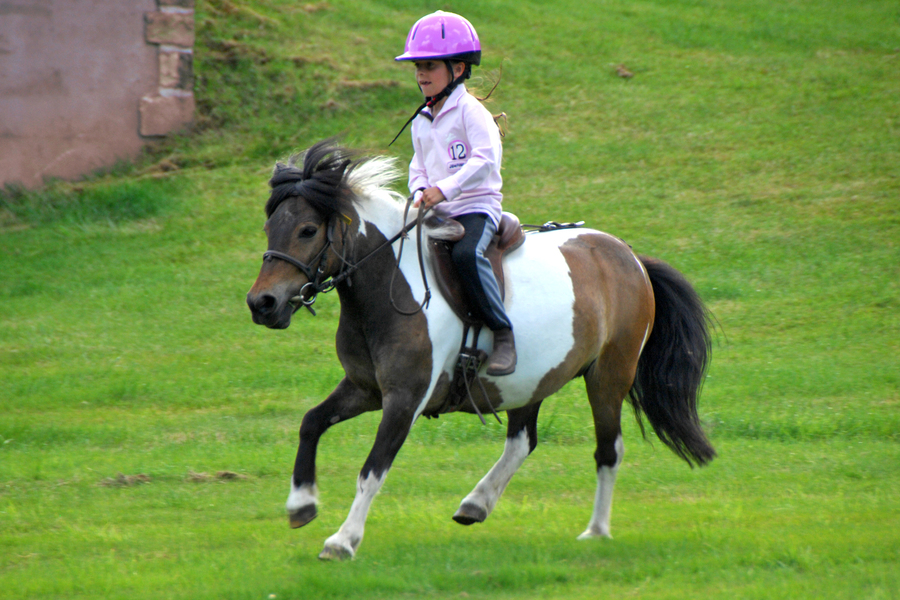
x: 315, y: 269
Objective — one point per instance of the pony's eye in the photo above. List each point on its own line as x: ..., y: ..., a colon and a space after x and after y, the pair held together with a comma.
x: 308, y: 231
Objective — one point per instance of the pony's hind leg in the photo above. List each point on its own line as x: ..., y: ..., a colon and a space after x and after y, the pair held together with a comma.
x: 606, y: 387
x: 521, y: 439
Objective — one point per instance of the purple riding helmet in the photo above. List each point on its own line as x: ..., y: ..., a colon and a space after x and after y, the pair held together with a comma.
x: 442, y: 36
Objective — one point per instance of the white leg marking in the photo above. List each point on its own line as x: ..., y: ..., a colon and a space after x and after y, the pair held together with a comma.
x: 606, y: 480
x: 302, y: 496
x: 488, y: 491
x: 344, y: 543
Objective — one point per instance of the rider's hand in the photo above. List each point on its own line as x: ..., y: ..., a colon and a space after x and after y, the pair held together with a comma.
x: 430, y: 197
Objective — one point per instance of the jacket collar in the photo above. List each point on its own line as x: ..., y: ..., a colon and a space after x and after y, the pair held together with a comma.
x: 451, y: 102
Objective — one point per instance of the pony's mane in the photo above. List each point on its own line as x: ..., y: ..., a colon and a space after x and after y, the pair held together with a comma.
x: 331, y: 178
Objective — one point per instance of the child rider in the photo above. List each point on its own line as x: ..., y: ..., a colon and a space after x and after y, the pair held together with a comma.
x: 457, y: 163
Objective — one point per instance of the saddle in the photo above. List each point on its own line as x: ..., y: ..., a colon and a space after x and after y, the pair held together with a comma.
x: 444, y: 232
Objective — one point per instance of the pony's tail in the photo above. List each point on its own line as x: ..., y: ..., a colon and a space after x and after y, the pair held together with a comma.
x: 673, y: 365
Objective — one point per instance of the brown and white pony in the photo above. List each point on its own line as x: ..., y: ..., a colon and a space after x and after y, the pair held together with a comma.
x: 581, y: 302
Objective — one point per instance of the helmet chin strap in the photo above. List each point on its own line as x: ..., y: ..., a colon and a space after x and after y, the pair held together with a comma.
x: 432, y: 100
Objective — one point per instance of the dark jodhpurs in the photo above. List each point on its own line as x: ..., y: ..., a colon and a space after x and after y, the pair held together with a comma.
x: 479, y: 283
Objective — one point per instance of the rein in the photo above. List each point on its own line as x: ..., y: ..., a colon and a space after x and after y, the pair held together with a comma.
x: 315, y: 271
x: 419, y: 218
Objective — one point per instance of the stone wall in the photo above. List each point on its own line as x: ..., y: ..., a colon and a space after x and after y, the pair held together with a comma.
x: 85, y: 83
x: 172, y: 106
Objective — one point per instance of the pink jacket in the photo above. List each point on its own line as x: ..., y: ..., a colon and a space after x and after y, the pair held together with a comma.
x: 459, y: 152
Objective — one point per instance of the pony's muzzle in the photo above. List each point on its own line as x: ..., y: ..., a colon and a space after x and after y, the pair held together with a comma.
x: 265, y: 311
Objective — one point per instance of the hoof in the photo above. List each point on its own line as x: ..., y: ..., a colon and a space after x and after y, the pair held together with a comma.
x: 470, y: 513
x: 302, y: 516
x: 591, y: 534
x: 336, y: 553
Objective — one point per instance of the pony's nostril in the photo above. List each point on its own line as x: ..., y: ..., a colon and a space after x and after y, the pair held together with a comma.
x: 267, y: 304
x: 263, y: 305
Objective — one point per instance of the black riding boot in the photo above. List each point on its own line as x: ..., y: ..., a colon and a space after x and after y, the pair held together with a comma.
x: 503, y: 359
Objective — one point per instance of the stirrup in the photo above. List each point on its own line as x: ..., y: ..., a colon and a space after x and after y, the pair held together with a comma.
x: 468, y: 365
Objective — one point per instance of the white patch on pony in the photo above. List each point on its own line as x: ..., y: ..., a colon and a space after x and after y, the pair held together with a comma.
x: 540, y: 301
x: 606, y: 481
x: 491, y: 487
x: 345, y: 542
x: 301, y: 497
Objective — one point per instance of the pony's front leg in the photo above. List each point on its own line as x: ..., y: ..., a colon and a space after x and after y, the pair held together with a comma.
x: 345, y: 402
x: 521, y: 439
x: 396, y: 421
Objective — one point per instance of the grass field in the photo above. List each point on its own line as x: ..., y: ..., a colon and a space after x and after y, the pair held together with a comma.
x: 148, y: 428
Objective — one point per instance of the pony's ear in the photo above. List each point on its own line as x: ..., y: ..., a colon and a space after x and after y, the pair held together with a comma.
x: 280, y: 167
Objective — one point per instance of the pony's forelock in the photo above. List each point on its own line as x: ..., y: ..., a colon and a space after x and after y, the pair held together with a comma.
x: 331, y: 178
